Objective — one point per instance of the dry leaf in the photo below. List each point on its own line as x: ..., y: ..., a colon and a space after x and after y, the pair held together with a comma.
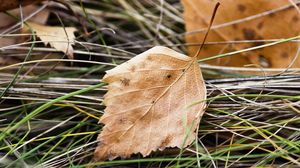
x: 8, y: 21
x: 147, y: 104
x: 40, y: 18
x: 59, y: 38
x: 282, y: 24
x: 12, y: 4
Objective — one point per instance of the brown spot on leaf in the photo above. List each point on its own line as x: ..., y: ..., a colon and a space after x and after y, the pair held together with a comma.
x: 125, y: 81
x: 295, y: 18
x: 132, y: 68
x: 235, y: 26
x: 169, y: 76
x: 241, y: 7
x: 123, y: 121
x: 284, y: 55
x: 150, y: 58
x: 260, y: 25
x: 272, y: 14
x: 166, y: 141
x: 249, y: 34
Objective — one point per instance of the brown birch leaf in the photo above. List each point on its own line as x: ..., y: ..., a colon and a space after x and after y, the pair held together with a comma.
x: 147, y: 104
x: 278, y: 24
x: 60, y: 38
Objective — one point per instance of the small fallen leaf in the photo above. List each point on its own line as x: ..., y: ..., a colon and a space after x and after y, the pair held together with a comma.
x: 59, y: 38
x: 273, y: 25
x: 8, y: 21
x: 148, y: 102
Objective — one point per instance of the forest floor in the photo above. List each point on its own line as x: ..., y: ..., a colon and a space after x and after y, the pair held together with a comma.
x: 50, y: 104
